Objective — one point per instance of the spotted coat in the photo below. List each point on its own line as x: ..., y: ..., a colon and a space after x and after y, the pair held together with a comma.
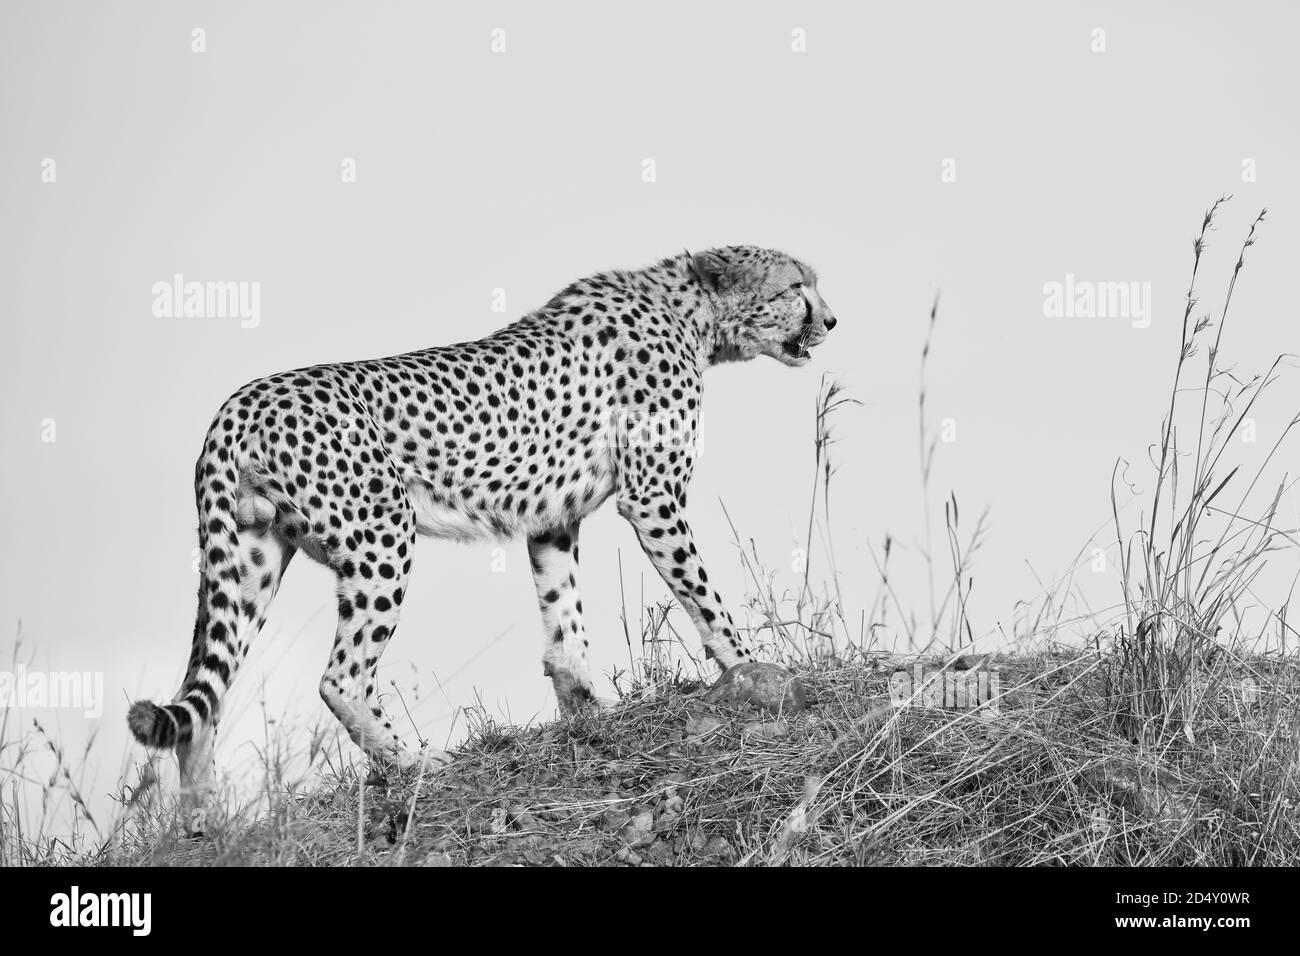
x: 520, y: 434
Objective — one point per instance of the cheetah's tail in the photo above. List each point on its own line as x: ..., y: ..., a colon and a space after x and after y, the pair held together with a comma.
x: 214, y: 653
x: 156, y: 726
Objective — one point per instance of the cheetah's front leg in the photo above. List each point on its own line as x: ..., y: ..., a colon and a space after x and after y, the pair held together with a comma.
x: 662, y: 530
x: 554, y: 557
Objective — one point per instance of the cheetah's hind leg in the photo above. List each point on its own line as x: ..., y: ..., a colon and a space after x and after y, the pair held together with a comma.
x: 371, y: 584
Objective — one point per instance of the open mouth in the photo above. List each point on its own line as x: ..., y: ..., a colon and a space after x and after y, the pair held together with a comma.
x: 795, y: 347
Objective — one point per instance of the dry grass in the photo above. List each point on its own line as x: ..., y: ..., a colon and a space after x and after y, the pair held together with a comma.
x: 1188, y: 569
x: 1170, y: 737
x: 664, y: 778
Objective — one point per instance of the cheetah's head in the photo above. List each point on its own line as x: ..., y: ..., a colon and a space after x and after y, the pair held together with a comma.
x: 765, y: 303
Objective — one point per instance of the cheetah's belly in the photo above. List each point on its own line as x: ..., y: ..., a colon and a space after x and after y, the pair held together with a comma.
x: 440, y: 518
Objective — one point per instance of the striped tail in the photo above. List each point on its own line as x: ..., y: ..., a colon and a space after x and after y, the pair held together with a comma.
x: 214, y: 653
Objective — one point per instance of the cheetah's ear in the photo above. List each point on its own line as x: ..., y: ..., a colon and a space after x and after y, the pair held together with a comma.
x: 714, y: 272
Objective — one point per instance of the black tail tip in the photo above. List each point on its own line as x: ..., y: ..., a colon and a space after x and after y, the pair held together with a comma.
x: 149, y: 724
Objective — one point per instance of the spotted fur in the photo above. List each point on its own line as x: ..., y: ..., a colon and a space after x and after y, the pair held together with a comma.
x: 522, y: 433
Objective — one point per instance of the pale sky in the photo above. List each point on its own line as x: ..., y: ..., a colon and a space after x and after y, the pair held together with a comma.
x: 980, y: 152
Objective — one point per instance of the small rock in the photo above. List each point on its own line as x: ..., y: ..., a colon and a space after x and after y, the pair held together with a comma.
x: 660, y: 854
x: 697, y: 725
x: 438, y: 859
x: 643, y: 819
x: 533, y: 854
x: 666, y: 815
x: 614, y: 818
x: 639, y: 831
x: 719, y: 848
x: 696, y: 840
x: 767, y: 686
x: 628, y: 856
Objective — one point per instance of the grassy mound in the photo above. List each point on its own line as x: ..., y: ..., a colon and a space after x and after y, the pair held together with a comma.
x: 1057, y: 777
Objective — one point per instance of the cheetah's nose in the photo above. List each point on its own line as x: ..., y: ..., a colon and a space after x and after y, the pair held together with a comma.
x: 829, y: 322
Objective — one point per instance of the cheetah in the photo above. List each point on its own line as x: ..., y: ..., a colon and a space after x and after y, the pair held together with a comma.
x: 520, y: 434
